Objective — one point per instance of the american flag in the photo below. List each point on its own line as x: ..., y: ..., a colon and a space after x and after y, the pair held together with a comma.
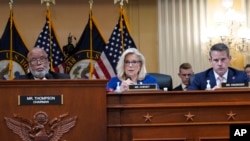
x: 120, y: 40
x: 87, y: 51
x: 50, y: 44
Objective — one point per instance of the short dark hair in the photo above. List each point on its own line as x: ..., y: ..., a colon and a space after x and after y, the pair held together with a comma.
x: 185, y: 66
x: 219, y: 47
x: 247, y: 66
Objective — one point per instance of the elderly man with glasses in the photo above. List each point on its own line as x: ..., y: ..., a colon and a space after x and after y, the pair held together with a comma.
x: 39, y: 67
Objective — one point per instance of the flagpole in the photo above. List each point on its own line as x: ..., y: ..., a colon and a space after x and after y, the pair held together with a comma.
x: 121, y: 2
x: 11, y: 41
x: 49, y: 20
x: 91, y: 39
x: 121, y: 20
x: 48, y: 2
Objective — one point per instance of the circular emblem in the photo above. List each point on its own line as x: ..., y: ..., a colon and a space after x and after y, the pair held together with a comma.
x: 5, y: 72
x: 81, y: 70
x: 41, y: 117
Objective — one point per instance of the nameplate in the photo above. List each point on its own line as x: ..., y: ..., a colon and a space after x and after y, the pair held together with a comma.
x: 143, y: 87
x: 229, y: 85
x: 40, y: 100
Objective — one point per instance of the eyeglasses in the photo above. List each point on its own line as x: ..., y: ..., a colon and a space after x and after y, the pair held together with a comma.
x: 34, y: 61
x: 133, y: 63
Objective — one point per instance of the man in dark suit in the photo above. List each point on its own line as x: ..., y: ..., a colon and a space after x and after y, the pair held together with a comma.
x: 247, y: 69
x: 219, y: 58
x: 39, y: 67
x: 185, y: 72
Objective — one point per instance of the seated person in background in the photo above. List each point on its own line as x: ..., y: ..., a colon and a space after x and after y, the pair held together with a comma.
x: 39, y: 67
x: 247, y: 69
x: 185, y: 71
x: 219, y: 58
x: 130, y: 70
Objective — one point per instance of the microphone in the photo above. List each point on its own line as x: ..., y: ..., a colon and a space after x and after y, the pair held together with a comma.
x: 48, y: 76
x: 127, y: 77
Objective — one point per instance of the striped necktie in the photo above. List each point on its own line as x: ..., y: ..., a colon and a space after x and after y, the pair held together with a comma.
x: 220, y: 80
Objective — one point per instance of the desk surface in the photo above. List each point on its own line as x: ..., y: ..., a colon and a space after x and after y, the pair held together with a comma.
x: 176, y: 115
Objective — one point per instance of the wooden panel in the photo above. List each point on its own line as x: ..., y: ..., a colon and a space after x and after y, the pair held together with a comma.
x: 214, y: 139
x: 167, y: 139
x: 82, y: 98
x: 190, y: 116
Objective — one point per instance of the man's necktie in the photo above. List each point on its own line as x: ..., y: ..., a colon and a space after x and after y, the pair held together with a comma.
x: 220, y: 80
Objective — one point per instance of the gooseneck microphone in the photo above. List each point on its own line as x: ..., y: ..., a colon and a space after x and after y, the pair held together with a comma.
x: 127, y: 77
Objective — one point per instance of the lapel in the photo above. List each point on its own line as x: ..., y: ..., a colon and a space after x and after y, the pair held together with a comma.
x: 30, y: 76
x: 211, y: 77
x: 230, y: 76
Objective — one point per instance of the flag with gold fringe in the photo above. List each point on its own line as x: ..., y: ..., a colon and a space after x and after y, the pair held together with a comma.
x: 13, y: 52
x: 120, y: 40
x: 87, y: 51
x: 47, y: 40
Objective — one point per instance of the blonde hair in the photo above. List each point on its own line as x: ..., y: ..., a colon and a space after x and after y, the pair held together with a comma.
x: 120, y: 65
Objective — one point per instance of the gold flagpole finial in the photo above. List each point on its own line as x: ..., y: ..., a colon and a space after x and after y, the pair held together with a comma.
x: 48, y: 2
x: 11, y: 3
x: 91, y: 4
x: 121, y: 2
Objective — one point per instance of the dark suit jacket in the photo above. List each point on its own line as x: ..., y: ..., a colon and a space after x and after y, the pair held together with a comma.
x: 200, y: 79
x: 50, y: 75
x: 178, y: 88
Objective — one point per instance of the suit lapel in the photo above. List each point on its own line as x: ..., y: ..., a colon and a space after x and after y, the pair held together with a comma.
x: 230, y: 76
x: 30, y: 76
x: 212, y: 79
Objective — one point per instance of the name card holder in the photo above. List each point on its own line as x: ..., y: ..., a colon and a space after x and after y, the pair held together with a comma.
x: 234, y: 85
x: 138, y: 87
x: 40, y: 100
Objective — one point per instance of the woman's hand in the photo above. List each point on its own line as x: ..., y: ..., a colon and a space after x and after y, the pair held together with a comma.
x: 125, y: 84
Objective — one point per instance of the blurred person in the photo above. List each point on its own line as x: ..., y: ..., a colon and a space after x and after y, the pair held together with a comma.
x: 247, y: 69
x: 185, y: 72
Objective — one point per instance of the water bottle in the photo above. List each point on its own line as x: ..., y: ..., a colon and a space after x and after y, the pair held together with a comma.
x: 208, y: 87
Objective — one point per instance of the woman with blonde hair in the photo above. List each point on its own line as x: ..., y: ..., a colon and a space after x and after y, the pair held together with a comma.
x: 131, y: 69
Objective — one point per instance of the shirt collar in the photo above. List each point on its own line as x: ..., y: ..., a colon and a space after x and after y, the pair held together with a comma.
x: 40, y: 79
x: 183, y: 86
x: 224, y: 76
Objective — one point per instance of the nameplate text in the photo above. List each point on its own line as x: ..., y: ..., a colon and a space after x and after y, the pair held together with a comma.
x: 40, y: 100
x: 225, y: 85
x: 143, y: 87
